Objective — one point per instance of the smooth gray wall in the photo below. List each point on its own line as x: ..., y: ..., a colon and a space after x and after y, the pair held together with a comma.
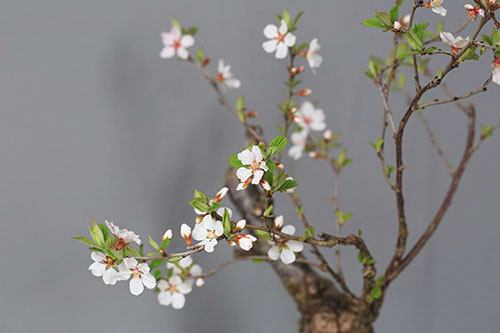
x: 94, y: 123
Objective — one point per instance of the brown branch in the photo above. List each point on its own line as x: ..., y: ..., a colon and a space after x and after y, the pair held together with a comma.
x: 336, y: 207
x: 222, y: 100
x: 194, y: 249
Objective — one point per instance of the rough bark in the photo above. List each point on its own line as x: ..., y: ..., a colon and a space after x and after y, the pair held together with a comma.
x: 322, y: 306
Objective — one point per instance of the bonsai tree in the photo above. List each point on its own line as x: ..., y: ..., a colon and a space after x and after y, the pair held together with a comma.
x: 257, y: 177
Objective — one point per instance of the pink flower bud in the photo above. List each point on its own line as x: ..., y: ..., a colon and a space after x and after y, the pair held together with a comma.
x: 167, y: 235
x: 221, y: 194
x: 304, y: 92
x: 186, y: 234
x: 278, y: 222
x: 327, y: 135
x: 240, y: 225
x: 200, y: 282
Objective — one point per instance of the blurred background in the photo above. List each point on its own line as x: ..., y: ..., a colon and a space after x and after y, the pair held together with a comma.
x: 94, y: 123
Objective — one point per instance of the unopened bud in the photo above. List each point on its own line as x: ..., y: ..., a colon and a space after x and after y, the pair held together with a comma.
x: 240, y: 225
x: 186, y: 234
x: 278, y: 222
x: 167, y: 235
x: 252, y: 114
x: 297, y: 70
x: 221, y: 194
x: 397, y: 25
x: 290, y: 190
x: 304, y: 92
x: 315, y: 155
x: 406, y: 20
x: 231, y: 242
x: 293, y: 110
x: 199, y: 218
x: 327, y: 135
x: 200, y: 282
x: 280, y: 165
x: 206, y: 61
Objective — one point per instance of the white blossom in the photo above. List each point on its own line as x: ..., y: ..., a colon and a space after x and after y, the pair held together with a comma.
x: 456, y: 43
x: 299, y: 140
x: 175, y: 43
x: 496, y: 71
x: 185, y: 268
x: 103, y: 266
x: 397, y: 25
x: 207, y: 232
x: 245, y: 242
x: 436, y: 7
x: 167, y: 235
x: 312, y: 56
x: 226, y: 77
x: 310, y: 118
x: 139, y: 273
x: 253, y: 169
x: 173, y: 291
x: 278, y: 222
x: 123, y: 234
x: 279, y: 39
x: 474, y: 11
x: 285, y: 250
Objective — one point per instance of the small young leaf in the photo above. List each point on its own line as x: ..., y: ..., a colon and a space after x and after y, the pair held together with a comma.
x: 226, y: 222
x: 258, y: 261
x: 376, y: 292
x: 174, y: 260
x: 154, y: 244
x: 373, y: 23
x: 269, y: 211
x: 235, y: 162
x: 264, y: 235
x: 155, y: 263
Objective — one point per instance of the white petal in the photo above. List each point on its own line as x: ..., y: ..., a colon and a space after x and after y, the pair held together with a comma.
x: 233, y: 83
x: 136, y: 287
x: 98, y: 256
x: 164, y: 298
x: 290, y: 39
x: 163, y: 285
x: 295, y: 246
x: 185, y: 287
x: 182, y: 53
x: 209, y: 246
x: 281, y: 51
x: 220, y: 211
x: 167, y: 52
x: 246, y: 157
x: 186, y: 262
x: 270, y: 46
x: 195, y: 270
x: 199, y: 232
x: 241, y: 186
x: 175, y: 280
x: 274, y: 252
x: 461, y: 43
x: 97, y: 268
x: 496, y: 75
x: 265, y: 185
x: 257, y: 153
x: 447, y: 38
x: 243, y: 174
x: 148, y: 280
x: 187, y: 40
x: 271, y: 31
x: 289, y: 229
x: 219, y: 229
x: 257, y: 176
x: 295, y: 152
x: 287, y: 256
x: 469, y: 6
x: 283, y: 27
x: 109, y: 277
x: 178, y: 301
x: 440, y: 10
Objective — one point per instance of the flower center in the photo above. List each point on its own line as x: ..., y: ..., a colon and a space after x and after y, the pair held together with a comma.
x: 255, y: 165
x: 136, y: 272
x: 211, y: 234
x: 173, y: 288
x: 280, y: 38
x: 109, y: 262
x: 307, y: 120
x: 219, y: 78
x: 176, y: 44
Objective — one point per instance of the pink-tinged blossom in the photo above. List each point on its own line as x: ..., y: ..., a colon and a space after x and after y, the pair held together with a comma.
x: 139, y: 274
x: 406, y: 20
x: 167, y: 235
x: 245, y: 241
x: 285, y: 250
x: 240, y: 225
x: 123, y: 235
x: 173, y: 291
x: 207, y: 232
x: 278, y: 222
x: 474, y: 11
x: 103, y: 266
x: 455, y: 43
x: 299, y: 140
x: 221, y: 194
x: 279, y: 40
x: 436, y: 7
x: 175, y: 43
x: 496, y: 71
x: 226, y: 77
x: 310, y: 118
x: 312, y: 56
x: 186, y: 234
x: 253, y: 170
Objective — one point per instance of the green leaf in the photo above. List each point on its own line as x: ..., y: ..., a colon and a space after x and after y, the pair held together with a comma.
x: 157, y: 275
x: 347, y: 217
x: 105, y: 231
x: 214, y: 206
x: 486, y: 131
x: 376, y: 292
x: 199, y: 195
x: 414, y: 41
x: 440, y: 73
x: 390, y: 169
x: 200, y: 205
x: 176, y: 24
x: 377, y: 145
x: 191, y: 31
x: 279, y: 143
x: 360, y: 232
x: 86, y: 240
x: 373, y: 23
x: 361, y: 258
x: 174, y: 260
x: 154, y: 244
x: 488, y: 39
x: 373, y: 67
x: 470, y: 54
x: 384, y: 18
x: 226, y: 222
x: 430, y: 49
x: 97, y: 233
x: 269, y: 211
x: 288, y: 184
x: 296, y: 19
x: 309, y: 233
x: 380, y: 281
x: 404, y: 55
x: 156, y: 263
x: 419, y: 30
x: 286, y: 16
x: 200, y: 55
x: 240, y: 103
x: 440, y: 28
x: 235, y: 162
x: 394, y: 14
x: 258, y: 261
x: 271, y: 165
x: 261, y: 234
x: 165, y: 243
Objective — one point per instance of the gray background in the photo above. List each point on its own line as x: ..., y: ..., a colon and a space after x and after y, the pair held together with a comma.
x: 94, y: 123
